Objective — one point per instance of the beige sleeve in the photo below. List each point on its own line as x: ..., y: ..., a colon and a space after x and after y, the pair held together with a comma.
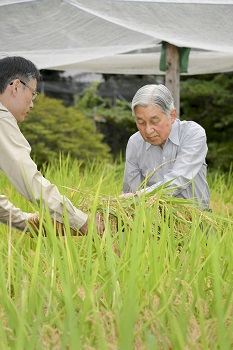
x: 22, y: 172
x: 12, y: 216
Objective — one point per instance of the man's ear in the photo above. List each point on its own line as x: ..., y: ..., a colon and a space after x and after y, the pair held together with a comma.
x: 173, y: 115
x: 15, y: 85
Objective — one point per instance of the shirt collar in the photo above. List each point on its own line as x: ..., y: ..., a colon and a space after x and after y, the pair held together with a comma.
x: 3, y: 108
x: 173, y: 136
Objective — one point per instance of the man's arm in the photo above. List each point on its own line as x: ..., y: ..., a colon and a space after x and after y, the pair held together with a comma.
x: 27, y: 180
x: 13, y: 216
x: 132, y: 173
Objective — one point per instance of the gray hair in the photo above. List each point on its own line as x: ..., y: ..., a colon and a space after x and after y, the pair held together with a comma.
x: 152, y: 94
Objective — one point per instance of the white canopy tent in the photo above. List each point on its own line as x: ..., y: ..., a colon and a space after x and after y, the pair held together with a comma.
x: 118, y: 36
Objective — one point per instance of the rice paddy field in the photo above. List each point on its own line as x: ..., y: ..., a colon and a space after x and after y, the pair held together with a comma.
x: 161, y: 277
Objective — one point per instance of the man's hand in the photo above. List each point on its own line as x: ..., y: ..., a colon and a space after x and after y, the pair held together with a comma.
x: 34, y: 223
x: 99, y: 222
x: 127, y: 195
x: 130, y: 195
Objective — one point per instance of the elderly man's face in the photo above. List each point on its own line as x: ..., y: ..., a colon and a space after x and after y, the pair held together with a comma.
x: 153, y: 124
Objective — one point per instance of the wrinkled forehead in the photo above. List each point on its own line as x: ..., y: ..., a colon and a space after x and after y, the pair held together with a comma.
x: 150, y: 110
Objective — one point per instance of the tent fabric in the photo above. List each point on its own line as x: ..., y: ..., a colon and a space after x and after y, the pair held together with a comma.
x: 117, y: 36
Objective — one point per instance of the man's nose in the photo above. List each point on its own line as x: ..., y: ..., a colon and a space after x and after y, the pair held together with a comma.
x: 149, y: 129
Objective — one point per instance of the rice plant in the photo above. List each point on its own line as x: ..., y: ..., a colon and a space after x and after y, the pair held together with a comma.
x: 159, y: 278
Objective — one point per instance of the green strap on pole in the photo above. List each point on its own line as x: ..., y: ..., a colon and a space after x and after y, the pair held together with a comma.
x: 183, y: 54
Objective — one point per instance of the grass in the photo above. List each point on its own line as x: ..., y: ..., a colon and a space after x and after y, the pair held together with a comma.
x: 163, y: 280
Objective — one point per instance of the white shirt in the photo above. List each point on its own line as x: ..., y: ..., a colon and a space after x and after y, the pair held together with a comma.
x: 16, y: 163
x: 181, y: 162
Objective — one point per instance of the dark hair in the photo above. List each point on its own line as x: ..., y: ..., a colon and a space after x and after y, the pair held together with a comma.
x: 16, y: 67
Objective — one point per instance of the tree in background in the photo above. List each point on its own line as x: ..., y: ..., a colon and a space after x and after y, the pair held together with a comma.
x: 207, y: 99
x: 112, y: 117
x: 101, y: 119
x: 52, y: 128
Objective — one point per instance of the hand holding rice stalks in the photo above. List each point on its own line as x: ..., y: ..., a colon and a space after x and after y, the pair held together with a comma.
x: 60, y: 228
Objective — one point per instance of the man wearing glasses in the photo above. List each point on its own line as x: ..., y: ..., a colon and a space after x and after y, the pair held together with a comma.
x: 18, y: 82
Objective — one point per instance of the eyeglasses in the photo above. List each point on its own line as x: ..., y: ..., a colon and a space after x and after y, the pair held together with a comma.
x: 34, y: 93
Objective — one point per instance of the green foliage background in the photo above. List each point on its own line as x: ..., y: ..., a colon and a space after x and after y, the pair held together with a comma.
x: 208, y: 100
x: 53, y: 128
x: 98, y: 127
x: 112, y: 118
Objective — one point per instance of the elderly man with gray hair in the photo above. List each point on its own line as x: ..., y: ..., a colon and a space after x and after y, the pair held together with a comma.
x: 165, y: 150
